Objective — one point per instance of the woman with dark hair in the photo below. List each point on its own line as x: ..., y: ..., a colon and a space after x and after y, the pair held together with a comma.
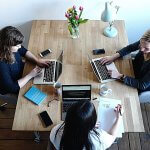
x: 11, y: 64
x: 80, y: 131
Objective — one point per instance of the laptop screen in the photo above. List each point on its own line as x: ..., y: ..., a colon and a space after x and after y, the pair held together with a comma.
x: 76, y: 92
x: 58, y: 69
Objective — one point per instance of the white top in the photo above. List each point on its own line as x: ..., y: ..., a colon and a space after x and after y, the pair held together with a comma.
x: 101, y: 142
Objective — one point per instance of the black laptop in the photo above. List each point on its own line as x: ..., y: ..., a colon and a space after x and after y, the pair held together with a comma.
x: 72, y: 94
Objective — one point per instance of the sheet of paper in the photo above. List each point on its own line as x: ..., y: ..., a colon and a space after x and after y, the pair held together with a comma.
x: 106, y: 114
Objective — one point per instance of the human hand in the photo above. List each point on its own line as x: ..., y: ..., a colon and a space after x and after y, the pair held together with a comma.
x: 97, y: 125
x: 118, y: 111
x: 43, y: 63
x: 115, y: 74
x: 35, y: 72
x: 107, y: 60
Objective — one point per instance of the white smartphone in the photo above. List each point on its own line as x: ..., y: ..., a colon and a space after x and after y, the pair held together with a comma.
x: 45, y: 52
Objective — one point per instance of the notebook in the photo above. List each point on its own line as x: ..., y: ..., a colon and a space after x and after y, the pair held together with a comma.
x: 35, y: 95
x: 106, y: 115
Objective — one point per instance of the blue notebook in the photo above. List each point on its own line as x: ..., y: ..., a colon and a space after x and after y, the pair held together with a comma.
x: 35, y: 95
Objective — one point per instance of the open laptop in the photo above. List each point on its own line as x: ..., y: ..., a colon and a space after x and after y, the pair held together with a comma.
x: 50, y: 74
x: 101, y: 71
x: 72, y: 94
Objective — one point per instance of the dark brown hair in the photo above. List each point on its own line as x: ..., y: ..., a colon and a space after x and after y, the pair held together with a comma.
x: 9, y: 36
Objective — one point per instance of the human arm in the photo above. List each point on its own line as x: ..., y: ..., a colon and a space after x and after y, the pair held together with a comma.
x: 107, y: 138
x: 128, y: 49
x: 141, y: 84
x: 39, y: 62
x: 124, y: 51
x: 113, y: 130
x: 35, y: 72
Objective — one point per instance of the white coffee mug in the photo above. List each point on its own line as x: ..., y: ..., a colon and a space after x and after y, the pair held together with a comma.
x: 58, y: 86
x: 104, y: 90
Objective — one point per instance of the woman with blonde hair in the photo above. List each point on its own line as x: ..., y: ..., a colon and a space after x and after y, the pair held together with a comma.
x: 141, y: 65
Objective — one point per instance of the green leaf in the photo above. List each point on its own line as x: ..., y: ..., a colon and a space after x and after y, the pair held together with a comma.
x: 82, y: 21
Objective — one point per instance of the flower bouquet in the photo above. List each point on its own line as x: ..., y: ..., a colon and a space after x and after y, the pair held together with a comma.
x: 74, y: 20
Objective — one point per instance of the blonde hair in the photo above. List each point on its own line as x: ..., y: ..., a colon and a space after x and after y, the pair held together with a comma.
x: 146, y: 36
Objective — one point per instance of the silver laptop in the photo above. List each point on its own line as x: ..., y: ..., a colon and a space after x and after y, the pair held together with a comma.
x: 50, y: 74
x: 72, y: 94
x: 101, y: 71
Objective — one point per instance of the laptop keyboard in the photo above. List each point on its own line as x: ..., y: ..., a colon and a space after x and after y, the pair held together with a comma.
x: 102, y: 70
x: 49, y: 72
x: 95, y: 71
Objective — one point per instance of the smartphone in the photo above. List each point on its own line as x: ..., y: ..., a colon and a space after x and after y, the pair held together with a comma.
x: 98, y: 51
x: 46, y: 118
x: 45, y: 52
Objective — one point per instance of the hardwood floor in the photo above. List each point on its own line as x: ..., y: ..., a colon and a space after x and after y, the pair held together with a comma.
x: 19, y: 140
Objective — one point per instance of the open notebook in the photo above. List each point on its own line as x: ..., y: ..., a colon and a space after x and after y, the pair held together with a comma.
x: 106, y: 115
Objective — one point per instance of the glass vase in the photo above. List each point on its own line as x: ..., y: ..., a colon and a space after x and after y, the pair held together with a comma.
x: 74, y: 31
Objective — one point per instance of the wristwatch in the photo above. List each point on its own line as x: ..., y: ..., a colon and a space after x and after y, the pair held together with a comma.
x: 122, y: 78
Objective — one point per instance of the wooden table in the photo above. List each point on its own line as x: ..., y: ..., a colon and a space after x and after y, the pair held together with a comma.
x: 76, y: 70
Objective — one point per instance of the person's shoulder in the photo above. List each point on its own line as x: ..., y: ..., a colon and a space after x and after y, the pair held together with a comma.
x: 3, y: 64
x: 4, y: 67
x: 55, y: 139
x: 101, y: 139
x: 55, y: 128
x: 22, y: 51
x: 137, y: 43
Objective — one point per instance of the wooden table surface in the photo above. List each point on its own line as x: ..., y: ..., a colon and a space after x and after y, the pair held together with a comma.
x: 76, y: 70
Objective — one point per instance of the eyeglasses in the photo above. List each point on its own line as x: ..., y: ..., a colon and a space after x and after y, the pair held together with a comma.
x: 49, y: 102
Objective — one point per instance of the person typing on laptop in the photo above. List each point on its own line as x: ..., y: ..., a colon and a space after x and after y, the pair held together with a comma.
x: 80, y: 131
x: 141, y: 65
x: 11, y: 64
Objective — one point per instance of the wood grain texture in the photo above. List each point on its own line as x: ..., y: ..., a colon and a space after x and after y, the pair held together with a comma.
x: 123, y: 144
x: 145, y: 117
x: 22, y: 145
x: 77, y: 70
x: 134, y: 139
x: 6, y: 123
x: 8, y: 134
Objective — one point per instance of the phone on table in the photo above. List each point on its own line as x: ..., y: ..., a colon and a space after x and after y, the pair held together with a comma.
x: 98, y: 51
x: 45, y: 52
x: 46, y: 118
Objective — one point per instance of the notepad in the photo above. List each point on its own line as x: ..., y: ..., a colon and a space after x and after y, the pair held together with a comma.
x: 106, y: 115
x: 35, y: 95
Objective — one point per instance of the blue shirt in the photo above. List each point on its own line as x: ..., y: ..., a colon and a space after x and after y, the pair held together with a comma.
x: 11, y: 73
x: 141, y: 68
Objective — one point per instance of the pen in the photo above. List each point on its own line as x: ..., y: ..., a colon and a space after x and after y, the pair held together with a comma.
x: 94, y: 98
x: 120, y: 112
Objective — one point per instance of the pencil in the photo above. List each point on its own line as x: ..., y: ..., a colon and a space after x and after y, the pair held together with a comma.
x: 120, y: 112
